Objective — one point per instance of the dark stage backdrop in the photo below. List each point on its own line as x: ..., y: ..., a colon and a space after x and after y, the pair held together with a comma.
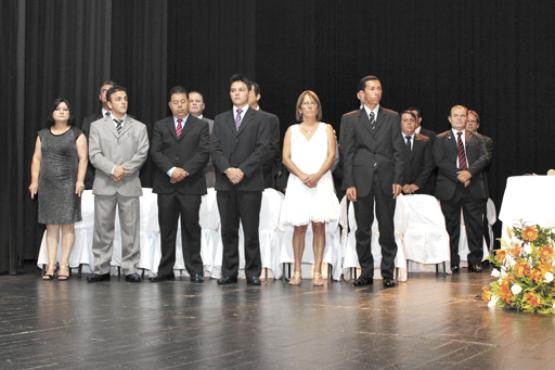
x: 495, y: 56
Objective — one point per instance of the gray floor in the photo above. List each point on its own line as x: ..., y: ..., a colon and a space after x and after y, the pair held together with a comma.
x: 427, y: 323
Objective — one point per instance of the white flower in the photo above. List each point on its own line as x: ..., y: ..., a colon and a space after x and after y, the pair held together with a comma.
x: 516, y: 289
x: 548, y: 277
x: 495, y: 273
x: 527, y: 248
x: 493, y: 300
x: 509, y: 261
x: 503, y: 271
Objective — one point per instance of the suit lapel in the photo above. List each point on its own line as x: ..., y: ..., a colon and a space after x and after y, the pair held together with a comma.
x: 111, y: 126
x: 246, y: 120
x: 364, y: 121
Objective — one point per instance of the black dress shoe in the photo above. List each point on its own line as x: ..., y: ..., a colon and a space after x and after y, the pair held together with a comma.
x: 254, y: 280
x: 363, y: 281
x: 475, y: 268
x: 197, y: 278
x: 455, y: 269
x: 133, y: 278
x: 95, y: 278
x: 162, y: 277
x: 224, y: 280
x: 388, y: 283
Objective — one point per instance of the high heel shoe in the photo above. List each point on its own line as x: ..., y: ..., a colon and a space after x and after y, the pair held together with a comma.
x: 317, y: 279
x: 296, y: 278
x: 48, y: 274
x: 63, y: 272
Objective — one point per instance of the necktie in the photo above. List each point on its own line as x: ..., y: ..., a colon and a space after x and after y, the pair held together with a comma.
x: 179, y: 128
x: 407, y: 142
x: 238, y: 118
x: 460, y: 152
x: 118, y: 125
x: 372, y: 117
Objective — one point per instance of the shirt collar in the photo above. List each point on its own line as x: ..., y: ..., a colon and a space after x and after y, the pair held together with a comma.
x: 375, y: 110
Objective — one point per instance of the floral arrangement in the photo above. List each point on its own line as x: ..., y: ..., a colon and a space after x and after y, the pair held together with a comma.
x: 524, y: 271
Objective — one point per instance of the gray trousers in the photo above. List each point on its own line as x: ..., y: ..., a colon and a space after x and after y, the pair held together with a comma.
x: 103, y: 237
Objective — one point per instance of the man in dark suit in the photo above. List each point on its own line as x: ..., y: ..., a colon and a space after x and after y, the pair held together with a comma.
x: 461, y: 158
x: 86, y: 124
x: 417, y: 156
x: 180, y: 149
x: 430, y: 189
x: 241, y: 145
x: 196, y: 108
x: 272, y: 169
x: 419, y: 129
x: 372, y: 151
x: 473, y: 124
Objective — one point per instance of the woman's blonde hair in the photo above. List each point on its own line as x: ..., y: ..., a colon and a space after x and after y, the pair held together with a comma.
x: 312, y: 94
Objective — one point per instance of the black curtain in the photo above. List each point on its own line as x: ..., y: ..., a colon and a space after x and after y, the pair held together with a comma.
x: 495, y: 56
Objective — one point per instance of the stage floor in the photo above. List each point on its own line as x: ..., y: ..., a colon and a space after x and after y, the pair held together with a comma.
x: 428, y: 322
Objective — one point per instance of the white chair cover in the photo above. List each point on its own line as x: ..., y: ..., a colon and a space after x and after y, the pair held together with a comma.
x: 421, y: 228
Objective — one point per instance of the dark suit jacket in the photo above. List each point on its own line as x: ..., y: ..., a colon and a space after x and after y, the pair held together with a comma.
x: 190, y: 152
x: 428, y: 133
x: 247, y: 148
x: 365, y: 152
x: 273, y: 165
x: 86, y: 128
x: 445, y: 158
x: 419, y: 163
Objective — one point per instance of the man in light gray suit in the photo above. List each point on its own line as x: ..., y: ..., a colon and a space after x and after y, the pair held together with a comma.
x: 118, y: 147
x: 196, y: 108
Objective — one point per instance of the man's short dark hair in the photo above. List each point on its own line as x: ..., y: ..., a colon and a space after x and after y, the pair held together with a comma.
x: 239, y: 77
x: 409, y: 111
x: 255, y: 87
x: 363, y: 80
x: 417, y: 110
x: 178, y: 90
x: 114, y: 89
x: 106, y: 82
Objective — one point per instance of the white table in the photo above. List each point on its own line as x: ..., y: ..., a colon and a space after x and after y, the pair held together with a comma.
x: 528, y: 199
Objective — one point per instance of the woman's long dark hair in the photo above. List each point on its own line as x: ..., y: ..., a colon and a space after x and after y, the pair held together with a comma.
x: 57, y: 102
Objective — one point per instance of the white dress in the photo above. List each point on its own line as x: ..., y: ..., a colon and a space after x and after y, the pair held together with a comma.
x: 302, y: 204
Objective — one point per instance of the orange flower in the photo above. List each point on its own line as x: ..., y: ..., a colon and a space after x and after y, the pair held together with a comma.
x: 522, y: 269
x: 536, y: 275
x: 546, y: 253
x: 515, y: 250
x: 533, y: 299
x: 505, y: 292
x: 500, y: 256
x: 486, y: 294
x: 530, y: 233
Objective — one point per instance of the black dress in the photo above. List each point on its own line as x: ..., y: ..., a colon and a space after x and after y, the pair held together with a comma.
x: 58, y: 203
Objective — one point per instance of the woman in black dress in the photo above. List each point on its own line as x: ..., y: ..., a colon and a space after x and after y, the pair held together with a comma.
x: 57, y: 174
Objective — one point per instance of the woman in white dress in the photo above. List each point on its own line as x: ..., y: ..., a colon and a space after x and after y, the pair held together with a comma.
x: 309, y: 153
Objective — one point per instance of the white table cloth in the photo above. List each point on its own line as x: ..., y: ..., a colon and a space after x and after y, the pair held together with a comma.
x: 529, y: 199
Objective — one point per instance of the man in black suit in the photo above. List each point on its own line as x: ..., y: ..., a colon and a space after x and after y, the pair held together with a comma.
x: 241, y: 145
x: 196, y: 108
x: 461, y: 158
x: 86, y: 124
x: 473, y: 124
x: 417, y: 156
x: 180, y: 149
x: 372, y: 151
x: 430, y: 189
x: 272, y: 168
x: 419, y: 129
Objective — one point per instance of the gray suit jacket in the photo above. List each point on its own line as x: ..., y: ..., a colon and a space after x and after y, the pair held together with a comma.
x: 107, y: 148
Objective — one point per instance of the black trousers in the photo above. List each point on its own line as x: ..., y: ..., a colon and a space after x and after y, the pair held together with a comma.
x: 245, y: 206
x: 364, y: 213
x: 473, y: 211
x: 170, y: 207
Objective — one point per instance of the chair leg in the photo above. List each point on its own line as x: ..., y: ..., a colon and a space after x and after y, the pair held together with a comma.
x: 80, y: 271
